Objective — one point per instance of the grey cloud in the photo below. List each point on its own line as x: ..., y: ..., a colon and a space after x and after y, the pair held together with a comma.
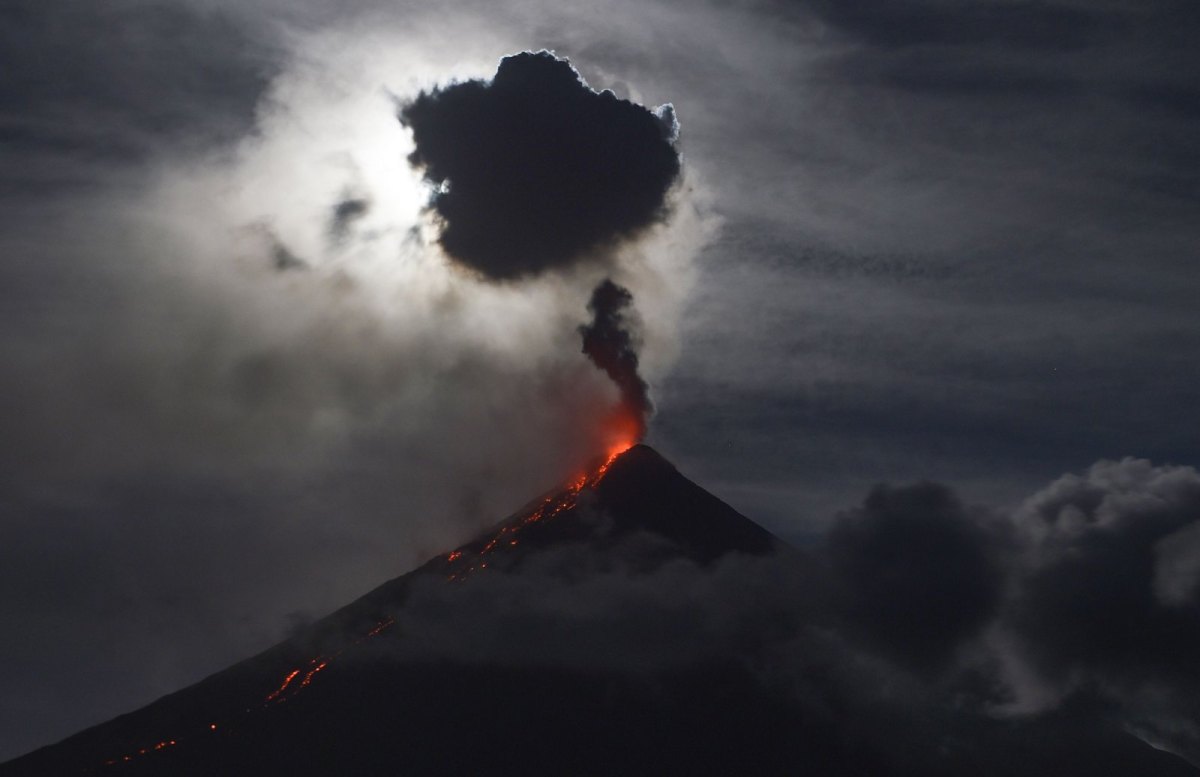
x: 1177, y: 566
x: 345, y: 213
x: 916, y: 574
x: 1088, y: 609
x: 1026, y: 25
x: 108, y: 85
x: 284, y: 259
x: 1070, y: 587
x: 624, y: 609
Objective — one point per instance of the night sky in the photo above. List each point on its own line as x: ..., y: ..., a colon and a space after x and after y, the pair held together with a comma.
x: 912, y: 284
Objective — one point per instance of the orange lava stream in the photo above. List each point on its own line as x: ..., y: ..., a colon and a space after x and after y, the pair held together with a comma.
x: 317, y: 664
x: 312, y: 672
x: 143, y: 751
x: 286, y: 682
x: 286, y: 690
x: 551, y: 507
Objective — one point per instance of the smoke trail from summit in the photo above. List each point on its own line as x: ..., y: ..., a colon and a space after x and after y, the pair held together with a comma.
x: 535, y: 171
x: 609, y: 344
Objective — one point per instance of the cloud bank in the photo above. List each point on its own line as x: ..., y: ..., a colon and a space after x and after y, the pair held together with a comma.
x: 918, y: 628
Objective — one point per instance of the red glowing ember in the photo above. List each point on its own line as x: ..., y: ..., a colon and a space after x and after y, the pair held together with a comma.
x: 142, y: 751
x: 287, y: 689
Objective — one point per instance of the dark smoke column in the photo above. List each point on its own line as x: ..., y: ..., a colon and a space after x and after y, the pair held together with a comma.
x: 608, y: 343
x: 535, y: 171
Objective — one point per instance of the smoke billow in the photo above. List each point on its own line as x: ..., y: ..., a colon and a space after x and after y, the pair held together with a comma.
x: 535, y: 170
x: 939, y: 637
x: 609, y: 344
x: 1089, y: 594
x: 917, y: 573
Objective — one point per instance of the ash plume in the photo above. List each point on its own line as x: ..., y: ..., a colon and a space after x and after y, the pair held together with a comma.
x: 535, y: 170
x: 609, y: 344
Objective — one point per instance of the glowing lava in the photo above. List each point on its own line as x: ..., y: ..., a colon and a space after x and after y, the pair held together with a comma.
x: 286, y: 682
x: 614, y: 450
x: 287, y: 689
x: 623, y: 430
x: 550, y: 507
x: 466, y: 561
x: 142, y: 751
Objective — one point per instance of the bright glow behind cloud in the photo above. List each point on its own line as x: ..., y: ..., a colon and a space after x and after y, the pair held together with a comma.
x: 295, y: 332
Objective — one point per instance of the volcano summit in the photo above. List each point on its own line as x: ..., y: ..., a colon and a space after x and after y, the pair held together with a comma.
x: 628, y: 622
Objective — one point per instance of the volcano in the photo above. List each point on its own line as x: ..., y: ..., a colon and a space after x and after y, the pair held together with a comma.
x: 606, y: 628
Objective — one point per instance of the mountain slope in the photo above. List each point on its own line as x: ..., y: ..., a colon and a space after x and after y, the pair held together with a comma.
x: 234, y: 715
x: 628, y: 623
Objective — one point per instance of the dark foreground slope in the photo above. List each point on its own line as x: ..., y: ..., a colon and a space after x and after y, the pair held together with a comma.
x: 628, y: 624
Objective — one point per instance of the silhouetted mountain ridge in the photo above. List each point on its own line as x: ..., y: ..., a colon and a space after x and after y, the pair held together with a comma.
x: 627, y: 623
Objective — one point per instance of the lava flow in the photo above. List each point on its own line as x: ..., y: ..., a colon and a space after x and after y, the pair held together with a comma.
x: 290, y: 688
x: 297, y: 679
x: 287, y: 689
x: 550, y: 507
x: 143, y: 751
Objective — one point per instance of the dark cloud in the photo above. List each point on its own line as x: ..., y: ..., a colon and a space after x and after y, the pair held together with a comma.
x: 1108, y: 601
x: 535, y: 169
x: 161, y: 75
x: 629, y: 603
x: 916, y: 573
x: 345, y: 213
x: 608, y: 342
x: 1021, y: 25
x: 1019, y: 50
x: 1096, y: 593
x: 1092, y: 587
